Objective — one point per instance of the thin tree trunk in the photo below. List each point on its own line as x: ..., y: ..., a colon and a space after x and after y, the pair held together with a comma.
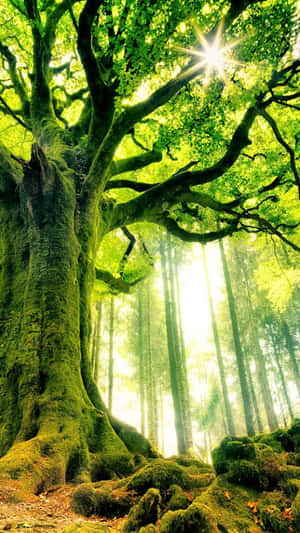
x: 150, y: 378
x: 162, y: 420
x: 262, y: 372
x: 238, y: 348
x: 254, y: 398
x: 141, y: 360
x: 281, y: 376
x: 182, y: 353
x: 227, y: 406
x: 291, y: 351
x: 111, y: 355
x: 173, y: 363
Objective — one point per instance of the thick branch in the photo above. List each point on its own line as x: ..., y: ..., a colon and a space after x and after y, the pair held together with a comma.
x: 172, y: 190
x: 116, y: 284
x: 189, y: 236
x: 135, y: 163
x: 88, y: 59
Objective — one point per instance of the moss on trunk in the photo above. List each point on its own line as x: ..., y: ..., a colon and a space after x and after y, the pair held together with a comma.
x: 54, y: 426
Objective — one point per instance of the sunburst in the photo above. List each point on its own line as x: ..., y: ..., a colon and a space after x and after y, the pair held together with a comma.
x: 213, y: 56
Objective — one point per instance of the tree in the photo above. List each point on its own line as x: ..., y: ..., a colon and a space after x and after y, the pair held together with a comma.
x: 229, y: 417
x: 74, y: 109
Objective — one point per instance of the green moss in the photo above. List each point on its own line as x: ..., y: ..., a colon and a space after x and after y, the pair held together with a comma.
x: 231, y: 449
x: 84, y: 500
x: 146, y: 511
x: 197, y: 518
x: 229, y: 504
x: 244, y: 473
x: 160, y: 474
x: 178, y: 500
x: 150, y: 528
x: 272, y: 519
x: 294, y: 434
x: 296, y: 511
x: 192, y: 465
x: 114, y: 503
x: 109, y: 466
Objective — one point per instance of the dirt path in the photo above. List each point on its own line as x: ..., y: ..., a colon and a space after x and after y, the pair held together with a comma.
x: 49, y: 511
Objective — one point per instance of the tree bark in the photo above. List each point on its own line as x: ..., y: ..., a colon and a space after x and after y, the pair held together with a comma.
x: 151, y: 392
x: 281, y: 375
x: 173, y: 361
x: 291, y: 351
x: 259, y: 358
x: 52, y: 427
x: 221, y: 367
x: 141, y: 360
x: 238, y: 348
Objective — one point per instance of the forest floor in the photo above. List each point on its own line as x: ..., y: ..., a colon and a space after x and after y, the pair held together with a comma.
x: 49, y: 511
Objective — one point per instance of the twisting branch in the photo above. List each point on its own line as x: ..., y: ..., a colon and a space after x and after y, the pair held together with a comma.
x: 283, y: 143
x: 16, y: 79
x: 88, y: 58
x: 188, y: 236
x: 8, y: 111
x: 115, y: 284
x: 132, y: 241
x: 99, y: 170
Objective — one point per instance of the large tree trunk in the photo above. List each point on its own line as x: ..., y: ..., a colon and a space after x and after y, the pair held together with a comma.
x: 51, y: 426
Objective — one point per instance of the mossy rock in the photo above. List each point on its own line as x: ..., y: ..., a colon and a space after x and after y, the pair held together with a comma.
x: 294, y: 434
x: 296, y: 511
x: 110, y: 466
x: 244, y: 473
x: 84, y: 500
x: 178, y: 500
x: 232, y: 449
x: 192, y: 465
x: 150, y: 528
x: 273, y: 520
x: 114, y: 503
x: 146, y: 511
x: 197, y: 518
x: 229, y: 504
x: 160, y: 474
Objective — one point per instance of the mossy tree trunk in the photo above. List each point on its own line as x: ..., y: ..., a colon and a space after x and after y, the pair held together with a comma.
x: 95, y: 359
x: 48, y: 416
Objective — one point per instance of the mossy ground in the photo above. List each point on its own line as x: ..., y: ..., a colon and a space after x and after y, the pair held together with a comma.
x: 257, y: 488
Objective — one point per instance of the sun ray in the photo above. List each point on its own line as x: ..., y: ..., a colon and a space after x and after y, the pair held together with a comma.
x: 212, y: 54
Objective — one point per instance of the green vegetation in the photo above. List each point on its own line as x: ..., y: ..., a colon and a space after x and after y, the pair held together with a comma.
x: 131, y: 133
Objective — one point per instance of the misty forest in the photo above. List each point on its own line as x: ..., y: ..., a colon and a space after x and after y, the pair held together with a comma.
x: 149, y: 266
